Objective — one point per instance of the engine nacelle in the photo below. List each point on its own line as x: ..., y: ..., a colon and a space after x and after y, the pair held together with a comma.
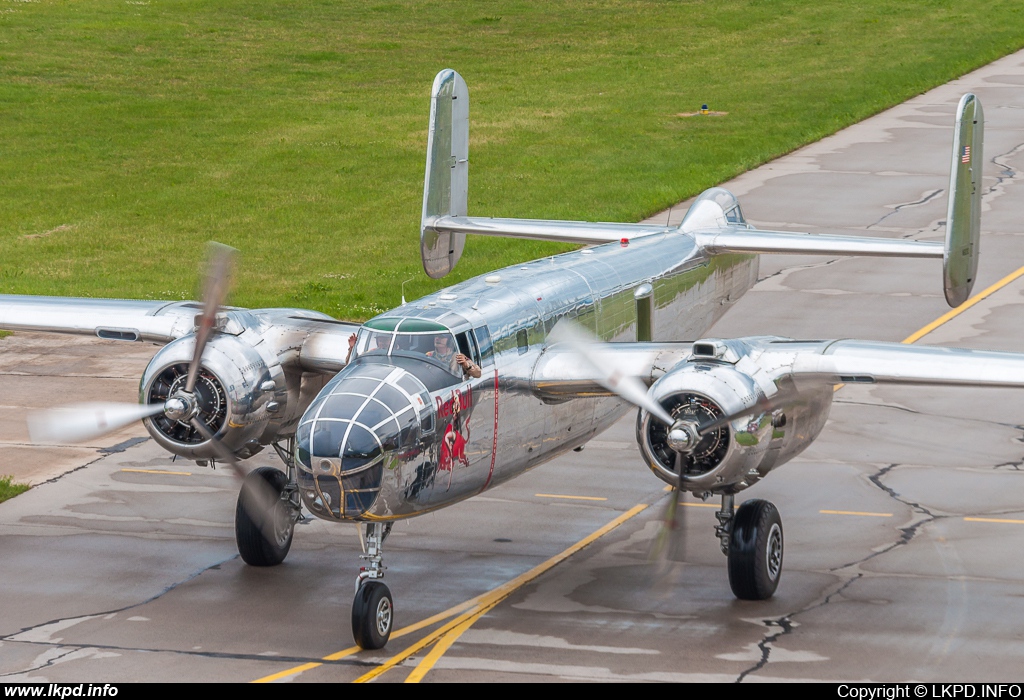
x: 246, y: 396
x: 741, y: 452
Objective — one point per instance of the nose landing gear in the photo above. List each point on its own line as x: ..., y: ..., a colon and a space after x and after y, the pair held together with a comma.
x: 373, y: 607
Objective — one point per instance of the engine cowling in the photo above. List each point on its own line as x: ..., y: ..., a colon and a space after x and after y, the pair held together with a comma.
x: 245, y: 395
x: 739, y: 453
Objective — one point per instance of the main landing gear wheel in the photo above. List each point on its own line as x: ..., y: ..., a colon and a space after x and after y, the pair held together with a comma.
x: 372, y: 615
x: 755, y: 551
x: 263, y: 530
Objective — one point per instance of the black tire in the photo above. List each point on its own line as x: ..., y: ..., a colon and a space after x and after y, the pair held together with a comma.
x: 373, y: 615
x: 755, y: 551
x: 263, y: 537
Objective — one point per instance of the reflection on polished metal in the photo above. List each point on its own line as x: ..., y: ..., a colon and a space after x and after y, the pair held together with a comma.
x: 565, y: 346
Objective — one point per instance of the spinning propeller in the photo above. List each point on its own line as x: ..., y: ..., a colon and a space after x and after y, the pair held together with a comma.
x: 685, y: 433
x: 84, y: 421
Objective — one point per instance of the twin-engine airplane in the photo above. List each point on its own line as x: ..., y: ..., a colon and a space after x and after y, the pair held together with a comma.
x: 443, y: 398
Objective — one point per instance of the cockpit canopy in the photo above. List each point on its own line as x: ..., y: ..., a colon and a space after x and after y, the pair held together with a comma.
x: 408, y: 336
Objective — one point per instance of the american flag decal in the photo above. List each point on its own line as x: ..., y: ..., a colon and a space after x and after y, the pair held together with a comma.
x: 965, y: 156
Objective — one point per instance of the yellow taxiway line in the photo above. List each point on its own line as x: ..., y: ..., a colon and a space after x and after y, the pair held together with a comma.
x: 338, y: 655
x: 856, y: 512
x: 156, y: 471
x: 953, y: 313
x: 457, y: 627
x: 492, y: 598
x: 995, y: 520
x: 471, y: 610
x: 571, y: 498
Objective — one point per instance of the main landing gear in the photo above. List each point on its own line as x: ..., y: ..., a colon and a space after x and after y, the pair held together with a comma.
x: 752, y: 540
x: 373, y: 608
x: 265, y: 515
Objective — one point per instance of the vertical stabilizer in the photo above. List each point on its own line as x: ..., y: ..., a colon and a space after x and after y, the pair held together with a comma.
x: 963, y: 219
x: 446, y: 186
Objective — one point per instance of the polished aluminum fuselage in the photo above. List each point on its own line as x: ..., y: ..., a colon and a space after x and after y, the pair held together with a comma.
x: 508, y: 428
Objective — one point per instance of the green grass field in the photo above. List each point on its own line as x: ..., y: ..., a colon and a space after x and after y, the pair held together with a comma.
x: 10, y: 490
x: 136, y: 130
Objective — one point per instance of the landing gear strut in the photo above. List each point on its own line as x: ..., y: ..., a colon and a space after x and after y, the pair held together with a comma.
x: 752, y: 539
x: 373, y: 607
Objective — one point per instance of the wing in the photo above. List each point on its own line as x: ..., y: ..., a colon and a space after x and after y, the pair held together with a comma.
x: 112, y: 319
x: 309, y: 340
x: 771, y: 362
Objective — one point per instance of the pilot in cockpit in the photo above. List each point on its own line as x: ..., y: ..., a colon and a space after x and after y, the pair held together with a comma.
x: 458, y: 363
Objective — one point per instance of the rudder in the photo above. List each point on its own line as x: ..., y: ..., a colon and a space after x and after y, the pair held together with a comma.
x: 446, y: 184
x: 963, y: 217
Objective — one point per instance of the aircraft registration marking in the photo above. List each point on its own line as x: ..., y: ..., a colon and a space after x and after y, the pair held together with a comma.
x: 157, y: 471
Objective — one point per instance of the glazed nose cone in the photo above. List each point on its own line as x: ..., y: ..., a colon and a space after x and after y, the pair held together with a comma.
x: 346, y: 437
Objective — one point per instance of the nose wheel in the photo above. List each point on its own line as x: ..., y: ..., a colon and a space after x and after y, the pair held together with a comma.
x: 372, y: 615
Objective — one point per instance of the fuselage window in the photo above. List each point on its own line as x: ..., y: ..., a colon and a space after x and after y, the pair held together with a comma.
x: 483, y: 341
x: 522, y: 342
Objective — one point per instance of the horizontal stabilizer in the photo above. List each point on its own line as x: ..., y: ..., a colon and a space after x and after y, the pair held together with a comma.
x: 583, y: 232
x: 739, y: 240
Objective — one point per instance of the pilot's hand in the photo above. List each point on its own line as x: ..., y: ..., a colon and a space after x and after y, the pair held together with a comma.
x: 467, y: 365
x: 351, y: 341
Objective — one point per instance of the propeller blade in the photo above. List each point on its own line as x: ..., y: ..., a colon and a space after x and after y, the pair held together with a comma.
x: 215, y: 292
x: 259, y: 499
x: 223, y: 453
x: 607, y: 374
x: 669, y: 543
x: 85, y: 421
